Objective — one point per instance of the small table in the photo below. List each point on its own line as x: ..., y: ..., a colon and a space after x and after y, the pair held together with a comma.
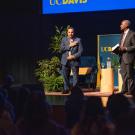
x: 107, y: 83
x: 107, y: 80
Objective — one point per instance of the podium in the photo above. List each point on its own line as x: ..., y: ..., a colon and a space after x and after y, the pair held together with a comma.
x: 107, y: 83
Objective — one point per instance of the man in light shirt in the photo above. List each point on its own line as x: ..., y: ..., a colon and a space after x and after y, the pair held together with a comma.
x: 127, y: 56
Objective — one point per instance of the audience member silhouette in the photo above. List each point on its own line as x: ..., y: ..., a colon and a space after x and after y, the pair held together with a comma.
x: 8, y: 90
x: 121, y: 114
x: 73, y: 106
x: 22, y: 96
x: 118, y: 107
x: 92, y: 119
x: 7, y: 126
x: 36, y: 120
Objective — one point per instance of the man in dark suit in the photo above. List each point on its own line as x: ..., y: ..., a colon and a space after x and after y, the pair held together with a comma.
x: 127, y: 56
x: 71, y: 49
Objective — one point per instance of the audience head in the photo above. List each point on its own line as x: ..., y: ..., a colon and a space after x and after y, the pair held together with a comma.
x: 118, y: 105
x: 76, y: 93
x: 36, y: 110
x: 8, y: 81
x: 93, y: 107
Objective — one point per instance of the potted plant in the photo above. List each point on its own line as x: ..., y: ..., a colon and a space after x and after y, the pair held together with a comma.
x: 48, y: 70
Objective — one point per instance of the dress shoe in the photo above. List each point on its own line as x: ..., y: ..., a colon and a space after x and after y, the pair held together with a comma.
x: 65, y: 92
x: 128, y: 93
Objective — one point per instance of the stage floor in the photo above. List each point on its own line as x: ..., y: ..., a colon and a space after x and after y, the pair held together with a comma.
x: 101, y: 94
x: 57, y: 98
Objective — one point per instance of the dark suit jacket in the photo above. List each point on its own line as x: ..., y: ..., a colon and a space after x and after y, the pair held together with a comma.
x: 129, y: 42
x: 76, y: 51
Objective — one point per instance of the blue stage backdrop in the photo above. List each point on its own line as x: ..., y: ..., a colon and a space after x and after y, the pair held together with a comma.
x: 69, y: 6
x: 105, y: 44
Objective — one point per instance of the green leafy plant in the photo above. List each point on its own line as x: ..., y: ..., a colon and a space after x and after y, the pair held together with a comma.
x: 56, y: 39
x: 48, y: 70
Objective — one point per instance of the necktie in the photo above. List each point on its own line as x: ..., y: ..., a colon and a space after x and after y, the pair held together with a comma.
x: 122, y: 40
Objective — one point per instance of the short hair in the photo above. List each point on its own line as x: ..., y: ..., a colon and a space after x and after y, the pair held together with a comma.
x: 70, y: 27
x: 128, y: 22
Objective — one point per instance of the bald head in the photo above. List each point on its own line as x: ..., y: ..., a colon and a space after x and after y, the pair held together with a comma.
x: 125, y: 24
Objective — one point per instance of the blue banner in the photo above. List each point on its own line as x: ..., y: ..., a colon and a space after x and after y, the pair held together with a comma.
x: 69, y: 6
